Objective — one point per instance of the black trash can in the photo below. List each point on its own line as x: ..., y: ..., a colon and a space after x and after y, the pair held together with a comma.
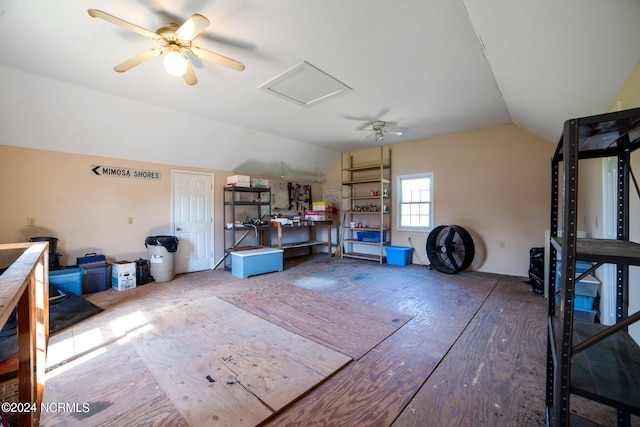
x: 161, y: 256
x: 536, y: 270
x: 54, y: 257
x: 142, y: 272
x: 53, y: 242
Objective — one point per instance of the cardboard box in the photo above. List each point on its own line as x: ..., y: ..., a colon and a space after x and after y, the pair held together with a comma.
x: 123, y: 275
x: 238, y: 181
x: 322, y: 206
x: 318, y: 216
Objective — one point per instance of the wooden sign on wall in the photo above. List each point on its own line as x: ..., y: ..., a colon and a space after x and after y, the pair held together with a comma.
x: 124, y: 172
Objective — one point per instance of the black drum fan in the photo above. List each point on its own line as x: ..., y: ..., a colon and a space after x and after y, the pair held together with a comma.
x: 450, y: 249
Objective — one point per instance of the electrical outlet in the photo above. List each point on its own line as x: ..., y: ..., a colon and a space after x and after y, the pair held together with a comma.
x: 31, y: 221
x: 502, y: 245
x: 130, y: 220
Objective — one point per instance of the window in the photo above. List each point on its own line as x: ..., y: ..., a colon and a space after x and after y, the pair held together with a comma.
x: 415, y: 202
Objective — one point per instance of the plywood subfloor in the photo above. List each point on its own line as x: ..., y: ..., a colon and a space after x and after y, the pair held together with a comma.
x: 346, y: 326
x: 476, y: 340
x: 204, y: 362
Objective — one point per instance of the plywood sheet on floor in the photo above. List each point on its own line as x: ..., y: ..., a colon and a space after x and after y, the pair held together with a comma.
x: 109, y: 386
x: 346, y: 326
x: 376, y: 388
x: 255, y: 365
x: 205, y: 362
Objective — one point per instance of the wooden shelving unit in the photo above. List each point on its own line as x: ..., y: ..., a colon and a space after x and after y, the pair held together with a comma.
x: 368, y: 206
x: 597, y: 362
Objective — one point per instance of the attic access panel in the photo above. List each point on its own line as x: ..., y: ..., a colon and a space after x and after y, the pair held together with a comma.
x: 604, y: 135
x: 305, y: 85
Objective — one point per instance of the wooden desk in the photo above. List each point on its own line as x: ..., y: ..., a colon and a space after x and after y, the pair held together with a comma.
x: 308, y: 243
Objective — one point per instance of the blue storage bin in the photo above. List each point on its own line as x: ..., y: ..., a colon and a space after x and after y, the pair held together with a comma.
x: 585, y: 315
x: 584, y: 302
x: 68, y: 280
x: 399, y: 255
x: 370, y: 236
x: 95, y: 278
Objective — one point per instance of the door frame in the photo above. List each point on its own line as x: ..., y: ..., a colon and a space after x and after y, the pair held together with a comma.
x: 173, y: 207
x: 609, y: 224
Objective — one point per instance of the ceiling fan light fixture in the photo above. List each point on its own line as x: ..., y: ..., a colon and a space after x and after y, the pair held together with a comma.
x: 175, y: 63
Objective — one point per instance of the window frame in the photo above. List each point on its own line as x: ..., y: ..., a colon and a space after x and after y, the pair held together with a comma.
x: 399, y: 180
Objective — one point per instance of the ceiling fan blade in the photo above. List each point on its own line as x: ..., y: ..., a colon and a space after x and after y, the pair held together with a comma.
x: 192, y: 27
x: 189, y: 76
x: 137, y: 60
x: 217, y: 58
x: 129, y: 26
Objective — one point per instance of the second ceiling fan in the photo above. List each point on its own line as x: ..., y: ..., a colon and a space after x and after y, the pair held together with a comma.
x: 173, y: 41
x: 380, y: 128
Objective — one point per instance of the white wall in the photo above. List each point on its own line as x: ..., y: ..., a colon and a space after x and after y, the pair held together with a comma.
x: 493, y: 182
x: 47, y: 114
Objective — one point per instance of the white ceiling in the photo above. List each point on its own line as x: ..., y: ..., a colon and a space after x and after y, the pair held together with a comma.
x: 433, y: 66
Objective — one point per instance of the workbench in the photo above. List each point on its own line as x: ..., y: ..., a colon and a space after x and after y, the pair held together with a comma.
x: 311, y: 242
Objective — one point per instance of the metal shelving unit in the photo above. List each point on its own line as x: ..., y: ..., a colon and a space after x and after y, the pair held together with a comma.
x: 365, y: 207
x: 249, y: 202
x: 586, y: 359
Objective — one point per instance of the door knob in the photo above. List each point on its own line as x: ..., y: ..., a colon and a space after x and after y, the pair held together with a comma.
x: 178, y: 229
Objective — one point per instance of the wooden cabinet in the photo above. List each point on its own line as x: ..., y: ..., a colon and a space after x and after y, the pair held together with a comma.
x: 365, y: 229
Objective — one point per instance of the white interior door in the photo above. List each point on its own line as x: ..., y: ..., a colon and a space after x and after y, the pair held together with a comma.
x: 193, y: 220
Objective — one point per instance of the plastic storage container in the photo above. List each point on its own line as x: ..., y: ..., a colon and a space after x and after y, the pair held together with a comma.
x: 96, y: 272
x: 68, y: 280
x: 91, y: 260
x: 370, y: 236
x: 585, y: 315
x: 582, y: 302
x: 95, y: 278
x: 399, y: 255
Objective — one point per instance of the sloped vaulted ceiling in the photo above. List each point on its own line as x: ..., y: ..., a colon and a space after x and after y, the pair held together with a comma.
x: 433, y: 66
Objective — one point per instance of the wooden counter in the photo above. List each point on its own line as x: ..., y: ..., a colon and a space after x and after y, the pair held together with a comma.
x: 311, y: 242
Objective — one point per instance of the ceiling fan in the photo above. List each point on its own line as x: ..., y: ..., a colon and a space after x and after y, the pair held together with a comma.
x: 173, y: 41
x: 380, y: 128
